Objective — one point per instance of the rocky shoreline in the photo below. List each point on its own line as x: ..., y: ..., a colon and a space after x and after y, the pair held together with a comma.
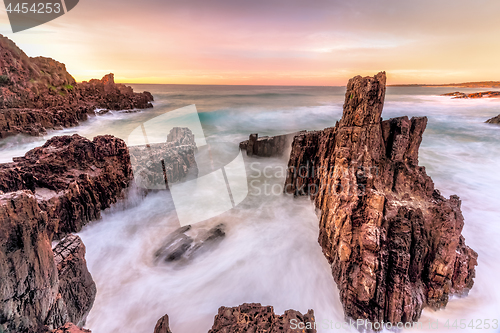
x: 38, y: 94
x: 393, y: 241
x: 483, y: 94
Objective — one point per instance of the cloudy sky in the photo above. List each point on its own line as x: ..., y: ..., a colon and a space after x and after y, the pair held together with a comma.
x: 291, y: 42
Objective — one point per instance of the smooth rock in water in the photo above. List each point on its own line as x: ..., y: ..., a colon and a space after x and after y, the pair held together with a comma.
x: 261, y: 319
x: 274, y: 146
x: 494, y: 120
x: 187, y: 242
x: 393, y: 241
x: 72, y: 178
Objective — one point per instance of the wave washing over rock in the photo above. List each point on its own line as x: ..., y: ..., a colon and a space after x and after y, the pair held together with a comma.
x: 393, y: 241
x: 37, y: 94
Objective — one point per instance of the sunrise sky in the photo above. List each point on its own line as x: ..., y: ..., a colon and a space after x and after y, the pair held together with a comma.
x: 292, y: 42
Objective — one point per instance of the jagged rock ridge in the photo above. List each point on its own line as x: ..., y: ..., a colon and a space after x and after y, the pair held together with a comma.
x: 393, y: 241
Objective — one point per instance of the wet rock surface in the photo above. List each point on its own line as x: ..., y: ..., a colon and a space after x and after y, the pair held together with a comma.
x: 72, y: 178
x: 494, y: 120
x: 157, y: 165
x: 77, y: 290
x: 40, y: 288
x: 393, y: 241
x: 268, y: 146
x: 162, y: 326
x: 37, y: 94
x: 260, y: 319
x: 187, y: 242
x: 254, y: 318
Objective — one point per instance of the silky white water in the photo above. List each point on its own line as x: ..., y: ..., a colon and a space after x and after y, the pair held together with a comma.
x: 270, y: 254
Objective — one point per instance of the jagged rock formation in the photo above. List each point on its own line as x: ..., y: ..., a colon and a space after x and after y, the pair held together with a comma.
x: 494, y: 120
x: 27, y: 269
x: 254, y: 318
x: 482, y: 94
x: 393, y: 241
x: 40, y: 288
x: 38, y: 94
x: 274, y: 146
x: 157, y: 165
x: 162, y: 326
x: 77, y: 289
x: 260, y: 319
x: 72, y: 178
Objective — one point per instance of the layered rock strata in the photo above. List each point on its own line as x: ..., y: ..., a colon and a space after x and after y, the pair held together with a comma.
x: 393, y: 241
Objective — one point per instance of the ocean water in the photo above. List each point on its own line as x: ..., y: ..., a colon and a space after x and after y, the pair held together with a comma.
x: 270, y: 254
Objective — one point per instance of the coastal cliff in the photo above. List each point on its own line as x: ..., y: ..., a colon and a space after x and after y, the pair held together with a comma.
x: 393, y: 241
x: 37, y: 94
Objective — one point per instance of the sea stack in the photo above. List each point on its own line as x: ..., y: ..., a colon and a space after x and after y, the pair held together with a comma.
x: 393, y: 241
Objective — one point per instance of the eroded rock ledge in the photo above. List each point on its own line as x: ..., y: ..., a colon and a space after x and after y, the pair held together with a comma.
x: 37, y: 94
x: 393, y: 241
x: 72, y: 178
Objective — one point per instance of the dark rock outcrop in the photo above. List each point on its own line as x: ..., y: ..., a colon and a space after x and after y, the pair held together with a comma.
x: 267, y: 146
x: 38, y: 94
x: 77, y: 289
x: 72, y: 178
x: 162, y: 326
x: 40, y: 288
x: 261, y: 319
x: 254, y: 318
x: 393, y: 241
x: 483, y: 94
x: 158, y: 164
x: 28, y: 274
x: 494, y: 120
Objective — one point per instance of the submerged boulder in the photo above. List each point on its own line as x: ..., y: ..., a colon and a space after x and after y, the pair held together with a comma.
x: 393, y: 241
x: 187, y: 242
